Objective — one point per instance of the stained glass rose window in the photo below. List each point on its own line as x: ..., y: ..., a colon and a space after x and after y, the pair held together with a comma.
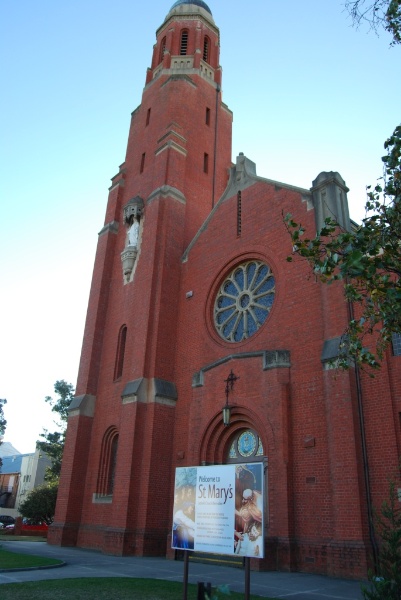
x: 244, y: 301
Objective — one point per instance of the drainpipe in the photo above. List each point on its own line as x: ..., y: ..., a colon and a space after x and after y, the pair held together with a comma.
x: 364, y: 452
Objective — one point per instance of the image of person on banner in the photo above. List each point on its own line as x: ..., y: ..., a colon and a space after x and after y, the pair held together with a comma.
x: 183, y: 531
x: 244, y: 479
x: 184, y: 527
x: 184, y: 517
x: 248, y: 512
x: 247, y: 542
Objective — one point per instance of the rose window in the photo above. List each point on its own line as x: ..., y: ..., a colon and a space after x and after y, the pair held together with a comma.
x: 244, y: 301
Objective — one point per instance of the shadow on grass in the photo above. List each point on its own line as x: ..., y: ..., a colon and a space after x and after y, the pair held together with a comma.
x: 22, y: 538
x: 14, y: 560
x: 117, y: 588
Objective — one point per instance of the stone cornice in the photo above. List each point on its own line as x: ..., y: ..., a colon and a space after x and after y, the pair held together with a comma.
x: 82, y: 406
x: 166, y: 191
x: 196, y: 14
x: 148, y: 391
x: 111, y: 227
x: 173, y: 146
x: 271, y: 359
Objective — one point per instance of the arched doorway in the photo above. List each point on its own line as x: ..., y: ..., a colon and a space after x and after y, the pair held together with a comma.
x: 239, y: 444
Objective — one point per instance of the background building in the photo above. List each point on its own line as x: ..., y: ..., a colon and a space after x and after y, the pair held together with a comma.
x: 19, y: 475
x: 191, y: 286
x: 10, y: 473
x: 7, y: 449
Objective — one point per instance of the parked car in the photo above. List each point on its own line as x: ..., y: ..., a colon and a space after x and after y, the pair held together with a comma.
x: 6, y: 520
x: 33, y: 522
x: 34, y: 525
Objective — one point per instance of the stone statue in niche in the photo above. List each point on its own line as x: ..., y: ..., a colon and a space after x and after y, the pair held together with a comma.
x: 133, y: 232
x: 132, y: 219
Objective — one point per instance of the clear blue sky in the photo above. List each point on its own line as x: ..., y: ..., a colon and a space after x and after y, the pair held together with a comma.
x: 309, y: 93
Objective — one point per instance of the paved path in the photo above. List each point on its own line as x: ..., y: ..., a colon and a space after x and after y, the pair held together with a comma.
x: 87, y: 563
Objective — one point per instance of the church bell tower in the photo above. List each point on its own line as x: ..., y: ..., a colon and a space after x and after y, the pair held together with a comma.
x: 117, y: 466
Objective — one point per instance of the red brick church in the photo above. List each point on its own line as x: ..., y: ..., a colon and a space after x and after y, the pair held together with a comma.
x: 191, y: 285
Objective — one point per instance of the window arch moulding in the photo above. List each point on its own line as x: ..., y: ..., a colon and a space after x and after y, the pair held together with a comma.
x: 107, y: 467
x: 121, y: 343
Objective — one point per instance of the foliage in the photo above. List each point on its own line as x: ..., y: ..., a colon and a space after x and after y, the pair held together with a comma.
x: 379, y: 14
x: 217, y: 591
x: 366, y: 259
x: 40, y: 504
x: 386, y: 584
x: 3, y: 423
x: 53, y: 444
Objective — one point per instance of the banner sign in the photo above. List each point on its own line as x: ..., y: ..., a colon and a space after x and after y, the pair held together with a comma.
x: 219, y: 509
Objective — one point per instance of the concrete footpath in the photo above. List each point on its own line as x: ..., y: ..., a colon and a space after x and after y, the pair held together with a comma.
x: 87, y: 563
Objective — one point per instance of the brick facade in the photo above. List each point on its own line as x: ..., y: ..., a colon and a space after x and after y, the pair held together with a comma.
x: 199, y: 217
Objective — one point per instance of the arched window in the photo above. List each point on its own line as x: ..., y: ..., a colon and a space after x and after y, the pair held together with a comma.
x: 122, y: 338
x: 244, y: 301
x: 162, y: 49
x: 246, y: 447
x: 108, y: 461
x: 184, y: 42
x: 206, y: 49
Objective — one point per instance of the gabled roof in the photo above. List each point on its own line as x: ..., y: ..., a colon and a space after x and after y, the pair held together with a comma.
x: 7, y: 449
x: 12, y: 464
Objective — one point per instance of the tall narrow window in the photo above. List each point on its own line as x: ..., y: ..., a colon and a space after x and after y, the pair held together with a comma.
x: 148, y: 117
x: 108, y: 462
x: 162, y: 50
x: 206, y: 163
x: 184, y: 42
x: 239, y: 213
x: 112, y: 465
x: 206, y: 49
x: 397, y: 344
x: 208, y: 116
x: 122, y: 338
x: 141, y: 168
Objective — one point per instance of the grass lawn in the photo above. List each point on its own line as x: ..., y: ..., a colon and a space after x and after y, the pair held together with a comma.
x: 91, y: 588
x: 13, y: 560
x: 117, y: 588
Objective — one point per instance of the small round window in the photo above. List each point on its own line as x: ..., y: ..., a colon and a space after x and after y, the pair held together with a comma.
x: 244, y: 301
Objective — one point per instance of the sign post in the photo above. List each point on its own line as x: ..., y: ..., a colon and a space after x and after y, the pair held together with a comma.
x: 219, y: 509
x: 185, y: 582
